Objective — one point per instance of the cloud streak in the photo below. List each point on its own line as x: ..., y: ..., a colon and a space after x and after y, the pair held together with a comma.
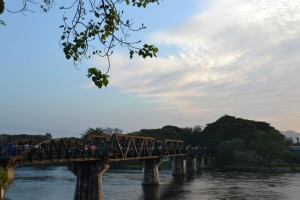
x: 237, y: 57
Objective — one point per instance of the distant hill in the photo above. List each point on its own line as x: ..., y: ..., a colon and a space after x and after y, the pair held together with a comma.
x: 291, y: 134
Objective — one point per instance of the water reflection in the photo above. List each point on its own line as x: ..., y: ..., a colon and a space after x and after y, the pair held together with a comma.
x: 58, y: 183
x: 151, y: 192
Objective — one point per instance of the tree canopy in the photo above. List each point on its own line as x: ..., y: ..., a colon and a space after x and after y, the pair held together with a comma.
x: 234, y: 141
x: 239, y: 141
x: 95, y: 27
x: 90, y: 132
x: 190, y: 136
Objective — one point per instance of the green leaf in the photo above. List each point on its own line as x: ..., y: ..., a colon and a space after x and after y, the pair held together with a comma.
x: 1, y: 6
x: 98, y: 78
x: 131, y: 53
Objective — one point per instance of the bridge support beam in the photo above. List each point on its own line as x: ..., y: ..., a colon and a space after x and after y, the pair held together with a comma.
x: 200, y: 161
x: 179, y: 166
x: 89, y: 179
x: 150, y: 172
x: 191, y: 163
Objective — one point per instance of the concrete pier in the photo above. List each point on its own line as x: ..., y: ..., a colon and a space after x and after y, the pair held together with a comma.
x: 200, y: 161
x: 89, y: 179
x: 179, y: 166
x: 150, y: 172
x: 191, y: 163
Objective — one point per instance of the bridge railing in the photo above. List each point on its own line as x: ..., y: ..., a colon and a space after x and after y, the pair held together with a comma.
x: 130, y: 146
x: 121, y: 146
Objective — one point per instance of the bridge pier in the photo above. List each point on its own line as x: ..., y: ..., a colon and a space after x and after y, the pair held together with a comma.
x: 150, y: 171
x: 89, y: 179
x: 191, y: 163
x: 179, y: 166
x: 200, y: 161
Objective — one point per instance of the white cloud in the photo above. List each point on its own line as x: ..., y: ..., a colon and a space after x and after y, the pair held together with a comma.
x: 238, y: 57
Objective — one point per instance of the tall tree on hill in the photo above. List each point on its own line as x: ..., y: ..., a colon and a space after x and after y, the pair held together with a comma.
x: 259, y: 139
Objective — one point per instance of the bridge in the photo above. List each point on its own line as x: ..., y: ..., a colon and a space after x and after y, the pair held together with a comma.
x: 88, y: 161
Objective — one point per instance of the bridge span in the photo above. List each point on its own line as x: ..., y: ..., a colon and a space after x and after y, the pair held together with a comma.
x: 89, y: 160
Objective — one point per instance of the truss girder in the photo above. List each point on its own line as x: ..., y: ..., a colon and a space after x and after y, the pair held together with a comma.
x: 109, y: 148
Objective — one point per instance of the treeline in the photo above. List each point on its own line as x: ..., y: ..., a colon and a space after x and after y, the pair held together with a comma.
x: 22, y: 138
x: 191, y: 136
x: 230, y: 141
x: 234, y: 141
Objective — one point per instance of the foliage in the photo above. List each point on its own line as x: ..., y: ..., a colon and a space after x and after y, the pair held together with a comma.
x: 1, y: 6
x: 230, y: 151
x: 3, y: 178
x: 234, y: 141
x: 5, y: 182
x: 22, y: 138
x: 188, y: 135
x: 48, y: 135
x: 260, y: 142
x: 99, y: 132
x: 95, y: 28
x: 1, y: 11
x: 290, y: 158
x: 98, y: 78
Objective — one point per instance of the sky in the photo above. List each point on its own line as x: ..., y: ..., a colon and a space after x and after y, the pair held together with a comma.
x: 234, y: 57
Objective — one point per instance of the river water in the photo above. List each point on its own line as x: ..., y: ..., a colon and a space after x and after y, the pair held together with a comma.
x: 57, y: 183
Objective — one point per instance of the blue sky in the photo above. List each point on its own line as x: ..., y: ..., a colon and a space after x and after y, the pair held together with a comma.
x: 235, y: 57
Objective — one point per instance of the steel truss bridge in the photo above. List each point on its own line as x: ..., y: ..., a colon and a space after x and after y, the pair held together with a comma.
x: 117, y: 147
x: 89, y: 160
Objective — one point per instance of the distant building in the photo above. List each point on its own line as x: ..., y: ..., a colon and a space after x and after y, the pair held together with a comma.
x: 296, y: 149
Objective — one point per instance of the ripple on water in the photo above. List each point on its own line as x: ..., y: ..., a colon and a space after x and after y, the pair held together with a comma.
x: 48, y: 183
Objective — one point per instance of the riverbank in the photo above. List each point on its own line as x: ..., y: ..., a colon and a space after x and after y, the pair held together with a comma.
x: 254, y: 169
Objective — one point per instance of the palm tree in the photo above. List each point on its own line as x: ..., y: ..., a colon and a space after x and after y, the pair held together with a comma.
x: 92, y: 131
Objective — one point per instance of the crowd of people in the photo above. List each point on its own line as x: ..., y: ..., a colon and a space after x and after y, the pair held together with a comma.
x: 11, y: 148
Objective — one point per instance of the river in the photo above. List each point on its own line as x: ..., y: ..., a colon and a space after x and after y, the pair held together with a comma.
x: 56, y: 182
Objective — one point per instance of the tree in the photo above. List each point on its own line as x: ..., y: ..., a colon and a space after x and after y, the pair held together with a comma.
x: 1, y: 11
x: 100, y: 132
x: 92, y: 131
x: 230, y: 151
x: 111, y: 131
x: 262, y: 143
x: 95, y: 27
x: 197, y: 129
x: 48, y: 135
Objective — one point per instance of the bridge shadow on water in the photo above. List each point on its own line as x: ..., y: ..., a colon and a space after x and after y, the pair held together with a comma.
x: 174, y: 189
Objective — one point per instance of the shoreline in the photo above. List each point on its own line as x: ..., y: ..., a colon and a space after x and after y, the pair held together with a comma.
x: 252, y: 169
